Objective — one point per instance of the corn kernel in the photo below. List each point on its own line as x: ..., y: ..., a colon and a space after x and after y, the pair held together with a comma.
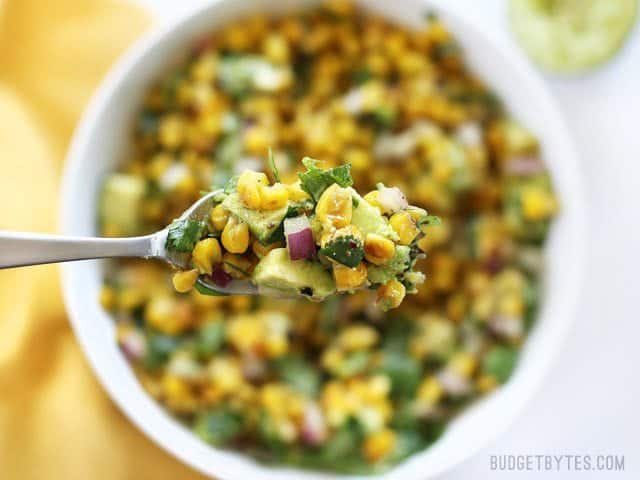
x: 486, y: 383
x: 249, y: 185
x: 349, y: 278
x: 464, y: 364
x: 274, y: 197
x: 107, y: 297
x: 390, y: 295
x: 276, y: 48
x: 430, y: 391
x: 258, y: 139
x: 377, y: 249
x: 235, y: 236
x: 378, y: 445
x: 184, y: 281
x: 335, y: 207
x: 536, y: 204
x: 296, y: 193
x: 358, y: 158
x: 205, y: 254
x: 160, y: 314
x: 404, y: 226
x: 205, y: 68
x: 372, y: 199
x: 219, y: 217
x: 358, y: 337
x: 171, y: 131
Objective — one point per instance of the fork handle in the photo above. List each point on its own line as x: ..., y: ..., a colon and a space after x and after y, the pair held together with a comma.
x: 18, y: 249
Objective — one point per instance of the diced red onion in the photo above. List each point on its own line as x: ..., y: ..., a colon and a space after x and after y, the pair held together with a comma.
x: 253, y: 367
x: 134, y: 345
x: 391, y: 199
x: 507, y: 327
x: 524, y: 166
x: 299, y: 237
x: 220, y: 277
x: 314, y: 426
x: 453, y: 383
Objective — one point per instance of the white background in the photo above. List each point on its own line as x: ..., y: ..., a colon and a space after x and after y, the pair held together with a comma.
x: 590, y: 403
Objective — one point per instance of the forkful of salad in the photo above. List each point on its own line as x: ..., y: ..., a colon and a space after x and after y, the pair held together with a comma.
x: 314, y: 238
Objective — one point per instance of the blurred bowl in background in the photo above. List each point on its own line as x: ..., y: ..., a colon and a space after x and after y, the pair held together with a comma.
x: 104, y: 136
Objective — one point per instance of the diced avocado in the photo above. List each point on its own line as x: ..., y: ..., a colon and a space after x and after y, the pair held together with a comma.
x: 368, y: 219
x: 295, y: 277
x: 120, y: 204
x: 261, y: 223
x: 399, y: 263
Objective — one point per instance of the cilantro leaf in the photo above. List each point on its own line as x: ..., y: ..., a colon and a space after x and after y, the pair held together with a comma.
x: 272, y: 166
x: 429, y: 220
x: 232, y: 185
x: 183, y: 235
x: 315, y: 180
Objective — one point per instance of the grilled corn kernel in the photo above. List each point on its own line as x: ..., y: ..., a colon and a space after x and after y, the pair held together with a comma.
x: 390, y: 295
x: 379, y: 444
x: 464, y: 364
x: 261, y: 250
x: 171, y: 132
x: 377, y: 249
x: 349, y: 278
x: 160, y: 314
x: 185, y: 280
x: 296, y: 193
x: 372, y: 199
x: 335, y: 207
x: 206, y: 254
x: 536, y: 204
x: 249, y: 185
x: 486, y: 383
x: 274, y: 197
x: 236, y: 266
x: 235, y: 236
x: 276, y: 48
x: 219, y: 217
x: 107, y: 297
x: 430, y: 391
x: 358, y: 337
x: 404, y: 226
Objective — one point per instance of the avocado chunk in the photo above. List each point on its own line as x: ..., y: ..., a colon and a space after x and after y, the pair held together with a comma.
x: 401, y: 261
x: 261, y: 223
x: 368, y: 219
x: 293, y: 277
x: 121, y: 204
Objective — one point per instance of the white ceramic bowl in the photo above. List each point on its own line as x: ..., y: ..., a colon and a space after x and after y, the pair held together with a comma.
x: 103, y: 138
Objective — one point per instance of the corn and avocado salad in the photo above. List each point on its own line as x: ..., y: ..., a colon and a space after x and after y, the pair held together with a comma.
x: 335, y: 385
x: 311, y: 238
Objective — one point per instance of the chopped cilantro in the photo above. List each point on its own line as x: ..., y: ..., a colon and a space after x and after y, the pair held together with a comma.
x: 184, y: 234
x: 272, y: 166
x: 315, y: 180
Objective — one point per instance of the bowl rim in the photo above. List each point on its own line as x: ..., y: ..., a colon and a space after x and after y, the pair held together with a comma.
x: 119, y: 74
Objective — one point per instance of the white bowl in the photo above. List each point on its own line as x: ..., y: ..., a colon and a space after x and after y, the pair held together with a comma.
x: 102, y: 140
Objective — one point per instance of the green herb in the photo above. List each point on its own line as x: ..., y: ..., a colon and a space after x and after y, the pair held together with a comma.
x: 344, y: 249
x: 210, y: 339
x: 237, y: 269
x: 316, y: 180
x: 219, y: 427
x: 360, y: 76
x: 404, y: 371
x: 299, y: 374
x: 354, y: 364
x: 184, y: 234
x: 159, y: 349
x: 232, y: 185
x: 383, y: 118
x: 500, y: 362
x: 272, y: 166
x: 355, y: 202
x: 204, y: 290
x: 429, y: 220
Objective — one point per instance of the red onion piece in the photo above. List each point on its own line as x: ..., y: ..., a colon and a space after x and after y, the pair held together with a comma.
x: 299, y: 237
x: 314, y: 426
x: 220, y: 277
x: 391, y: 199
x: 134, y: 345
x: 524, y: 166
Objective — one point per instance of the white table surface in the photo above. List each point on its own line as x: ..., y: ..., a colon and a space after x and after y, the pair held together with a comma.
x: 590, y: 403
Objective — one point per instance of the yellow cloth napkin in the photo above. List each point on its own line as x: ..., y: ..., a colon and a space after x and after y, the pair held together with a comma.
x: 55, y: 420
